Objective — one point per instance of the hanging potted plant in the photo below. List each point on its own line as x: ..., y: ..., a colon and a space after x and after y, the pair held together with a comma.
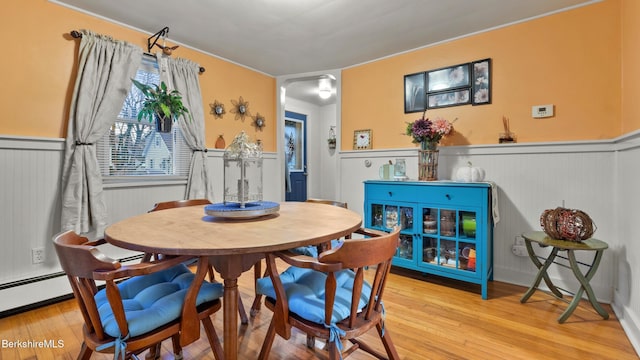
x: 160, y: 103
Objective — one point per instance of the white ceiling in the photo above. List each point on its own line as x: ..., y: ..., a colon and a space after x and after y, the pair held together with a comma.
x: 282, y: 37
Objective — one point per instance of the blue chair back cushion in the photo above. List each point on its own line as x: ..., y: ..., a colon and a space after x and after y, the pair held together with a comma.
x: 153, y: 300
x: 312, y: 250
x: 305, y: 289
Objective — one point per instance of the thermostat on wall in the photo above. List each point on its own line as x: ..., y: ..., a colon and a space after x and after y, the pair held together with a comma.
x: 542, y: 111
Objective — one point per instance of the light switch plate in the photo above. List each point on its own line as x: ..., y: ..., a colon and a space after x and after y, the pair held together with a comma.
x: 542, y: 111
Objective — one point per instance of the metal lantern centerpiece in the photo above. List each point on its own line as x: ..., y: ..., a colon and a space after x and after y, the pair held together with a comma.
x: 242, y: 171
x: 242, y: 182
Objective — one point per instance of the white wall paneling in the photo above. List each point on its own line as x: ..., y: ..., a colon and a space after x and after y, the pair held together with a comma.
x: 598, y: 177
x: 29, y: 184
x: 626, y: 212
x: 30, y: 215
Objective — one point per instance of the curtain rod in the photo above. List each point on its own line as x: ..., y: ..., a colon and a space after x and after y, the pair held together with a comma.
x: 77, y: 35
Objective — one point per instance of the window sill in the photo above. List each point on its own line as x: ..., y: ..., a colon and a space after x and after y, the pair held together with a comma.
x: 141, y: 181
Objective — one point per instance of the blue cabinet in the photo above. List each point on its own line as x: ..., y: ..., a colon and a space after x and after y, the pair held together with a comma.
x: 446, y: 226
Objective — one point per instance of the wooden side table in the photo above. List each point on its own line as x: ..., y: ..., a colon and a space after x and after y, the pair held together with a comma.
x: 544, y: 240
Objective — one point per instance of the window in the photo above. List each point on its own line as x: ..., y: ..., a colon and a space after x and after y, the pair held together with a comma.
x: 134, y: 148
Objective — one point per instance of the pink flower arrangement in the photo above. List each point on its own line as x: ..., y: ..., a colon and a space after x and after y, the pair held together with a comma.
x: 431, y: 132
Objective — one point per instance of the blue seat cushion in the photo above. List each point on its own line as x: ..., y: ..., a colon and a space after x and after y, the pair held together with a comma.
x: 305, y: 289
x: 312, y: 250
x: 153, y: 300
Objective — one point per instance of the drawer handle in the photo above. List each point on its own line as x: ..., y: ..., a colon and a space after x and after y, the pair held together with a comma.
x: 448, y: 196
x: 390, y: 193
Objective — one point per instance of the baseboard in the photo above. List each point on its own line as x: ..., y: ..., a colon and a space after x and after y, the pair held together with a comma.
x: 628, y: 320
x: 526, y: 279
x: 28, y: 294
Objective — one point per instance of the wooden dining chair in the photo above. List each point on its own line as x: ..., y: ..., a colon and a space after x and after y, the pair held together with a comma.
x: 195, y: 202
x: 311, y: 250
x: 333, y: 296
x: 132, y: 315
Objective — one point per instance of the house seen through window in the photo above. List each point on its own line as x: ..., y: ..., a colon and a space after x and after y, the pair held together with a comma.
x: 134, y: 148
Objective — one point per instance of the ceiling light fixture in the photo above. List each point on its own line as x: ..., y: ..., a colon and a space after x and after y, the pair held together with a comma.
x: 324, y: 88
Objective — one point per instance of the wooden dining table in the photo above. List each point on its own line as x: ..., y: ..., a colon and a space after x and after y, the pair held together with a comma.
x: 231, y: 245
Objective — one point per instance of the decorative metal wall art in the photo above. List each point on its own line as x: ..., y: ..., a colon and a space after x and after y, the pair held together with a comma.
x: 217, y: 109
x: 258, y: 121
x: 240, y: 108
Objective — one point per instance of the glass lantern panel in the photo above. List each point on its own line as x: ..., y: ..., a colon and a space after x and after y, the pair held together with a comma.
x: 243, y: 180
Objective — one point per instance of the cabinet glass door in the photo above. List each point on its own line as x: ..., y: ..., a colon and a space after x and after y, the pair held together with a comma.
x: 467, y: 256
x: 467, y: 224
x: 376, y: 216
x: 387, y: 216
x: 429, y: 235
x: 390, y: 216
x: 449, y: 238
x: 406, y: 218
x: 405, y: 250
x: 447, y: 222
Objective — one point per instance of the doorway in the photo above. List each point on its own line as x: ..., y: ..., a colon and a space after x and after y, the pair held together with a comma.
x: 295, y: 138
x: 300, y: 92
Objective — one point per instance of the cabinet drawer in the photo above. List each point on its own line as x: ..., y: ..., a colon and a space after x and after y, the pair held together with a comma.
x: 434, y: 194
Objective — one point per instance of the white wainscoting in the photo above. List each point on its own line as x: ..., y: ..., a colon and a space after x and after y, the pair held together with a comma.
x: 599, y: 177
x: 626, y: 210
x: 530, y: 179
x: 30, y: 213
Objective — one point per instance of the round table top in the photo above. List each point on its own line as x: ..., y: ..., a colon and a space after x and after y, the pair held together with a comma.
x: 543, y: 239
x: 190, y: 231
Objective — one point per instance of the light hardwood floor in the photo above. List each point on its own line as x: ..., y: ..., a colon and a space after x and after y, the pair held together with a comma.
x: 433, y: 319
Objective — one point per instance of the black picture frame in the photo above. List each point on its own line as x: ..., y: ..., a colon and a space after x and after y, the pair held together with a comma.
x: 460, y: 96
x: 414, y: 93
x: 448, y: 78
x: 481, y: 84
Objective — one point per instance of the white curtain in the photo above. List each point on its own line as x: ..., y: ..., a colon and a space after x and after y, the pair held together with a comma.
x: 183, y: 76
x: 105, y: 69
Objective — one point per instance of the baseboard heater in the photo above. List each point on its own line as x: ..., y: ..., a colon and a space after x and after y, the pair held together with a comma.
x: 40, y: 279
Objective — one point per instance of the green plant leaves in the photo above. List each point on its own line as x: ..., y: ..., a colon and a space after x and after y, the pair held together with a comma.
x: 159, y: 100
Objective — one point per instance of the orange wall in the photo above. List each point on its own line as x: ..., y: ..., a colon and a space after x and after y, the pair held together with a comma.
x: 630, y: 65
x: 39, y: 74
x: 570, y: 59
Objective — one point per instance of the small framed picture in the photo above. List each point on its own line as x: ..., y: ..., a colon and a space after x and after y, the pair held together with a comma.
x: 481, y: 82
x: 414, y: 93
x: 448, y: 78
x: 449, y: 98
x: 362, y: 139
